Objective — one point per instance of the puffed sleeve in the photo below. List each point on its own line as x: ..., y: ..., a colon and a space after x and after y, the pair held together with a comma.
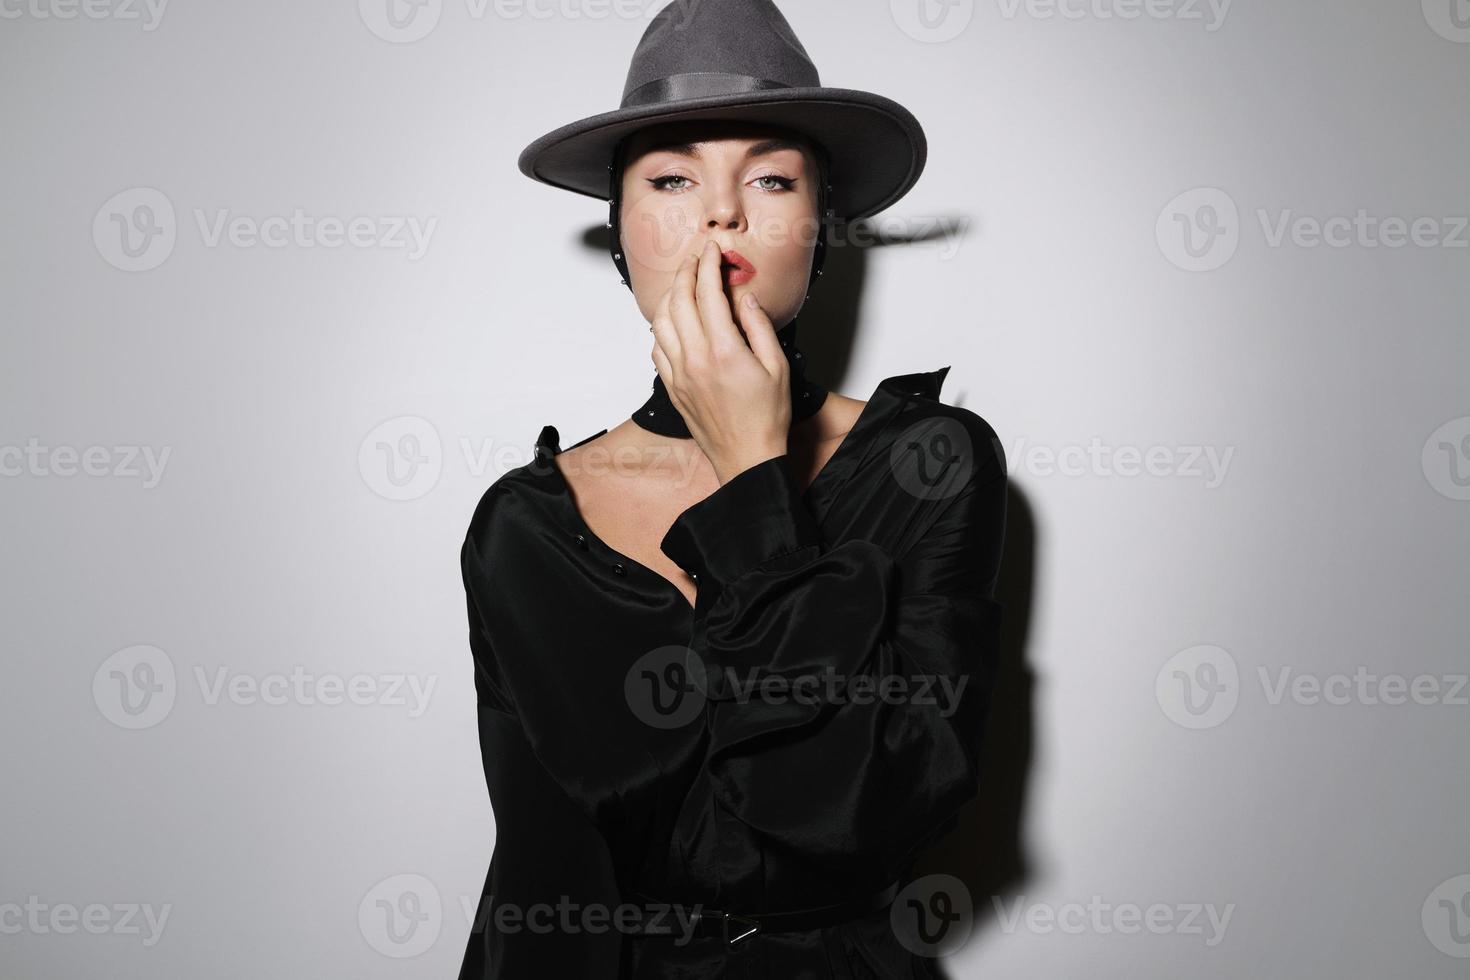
x: 872, y: 672
x: 546, y: 849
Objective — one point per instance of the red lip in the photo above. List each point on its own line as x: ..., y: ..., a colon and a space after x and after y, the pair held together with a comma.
x: 734, y: 258
x: 737, y: 268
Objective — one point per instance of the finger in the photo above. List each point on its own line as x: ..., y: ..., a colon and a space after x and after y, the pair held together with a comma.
x: 761, y: 333
x: 714, y: 304
x: 684, y: 311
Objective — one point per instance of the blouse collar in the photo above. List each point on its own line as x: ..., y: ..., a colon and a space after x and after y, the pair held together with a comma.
x: 891, y: 394
x: 659, y: 415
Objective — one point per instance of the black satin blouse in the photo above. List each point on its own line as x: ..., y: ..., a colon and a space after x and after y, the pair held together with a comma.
x: 613, y: 774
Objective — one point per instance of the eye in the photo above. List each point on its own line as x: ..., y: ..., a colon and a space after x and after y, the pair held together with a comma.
x: 666, y: 183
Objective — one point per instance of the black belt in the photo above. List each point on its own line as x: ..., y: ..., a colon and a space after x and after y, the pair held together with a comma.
x: 735, y: 927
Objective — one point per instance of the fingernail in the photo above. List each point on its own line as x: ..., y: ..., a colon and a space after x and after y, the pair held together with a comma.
x: 750, y: 300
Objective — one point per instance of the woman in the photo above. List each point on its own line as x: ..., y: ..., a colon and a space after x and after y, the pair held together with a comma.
x: 732, y: 656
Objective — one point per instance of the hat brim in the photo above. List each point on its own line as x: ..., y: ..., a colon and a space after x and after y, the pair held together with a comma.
x: 877, y: 147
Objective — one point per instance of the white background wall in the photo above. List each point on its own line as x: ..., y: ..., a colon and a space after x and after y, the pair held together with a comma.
x: 1329, y: 538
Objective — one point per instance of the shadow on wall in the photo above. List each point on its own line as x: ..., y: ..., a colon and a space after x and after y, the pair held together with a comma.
x: 985, y: 848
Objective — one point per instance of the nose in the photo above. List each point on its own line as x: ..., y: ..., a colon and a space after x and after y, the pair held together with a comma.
x: 724, y: 209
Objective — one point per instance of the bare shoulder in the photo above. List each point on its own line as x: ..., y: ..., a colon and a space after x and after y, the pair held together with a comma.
x: 846, y: 410
x: 835, y: 419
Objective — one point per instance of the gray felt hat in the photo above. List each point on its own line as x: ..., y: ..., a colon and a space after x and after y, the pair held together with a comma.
x: 739, y: 60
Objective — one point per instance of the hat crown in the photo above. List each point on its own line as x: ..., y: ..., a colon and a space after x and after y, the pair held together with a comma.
x: 695, y: 48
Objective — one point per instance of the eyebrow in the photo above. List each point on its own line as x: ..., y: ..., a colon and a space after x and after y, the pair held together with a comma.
x: 686, y: 149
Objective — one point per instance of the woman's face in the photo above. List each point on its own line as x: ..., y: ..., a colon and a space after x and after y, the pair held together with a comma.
x: 748, y: 189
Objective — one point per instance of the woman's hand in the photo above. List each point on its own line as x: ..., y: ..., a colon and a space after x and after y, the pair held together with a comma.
x: 734, y: 398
